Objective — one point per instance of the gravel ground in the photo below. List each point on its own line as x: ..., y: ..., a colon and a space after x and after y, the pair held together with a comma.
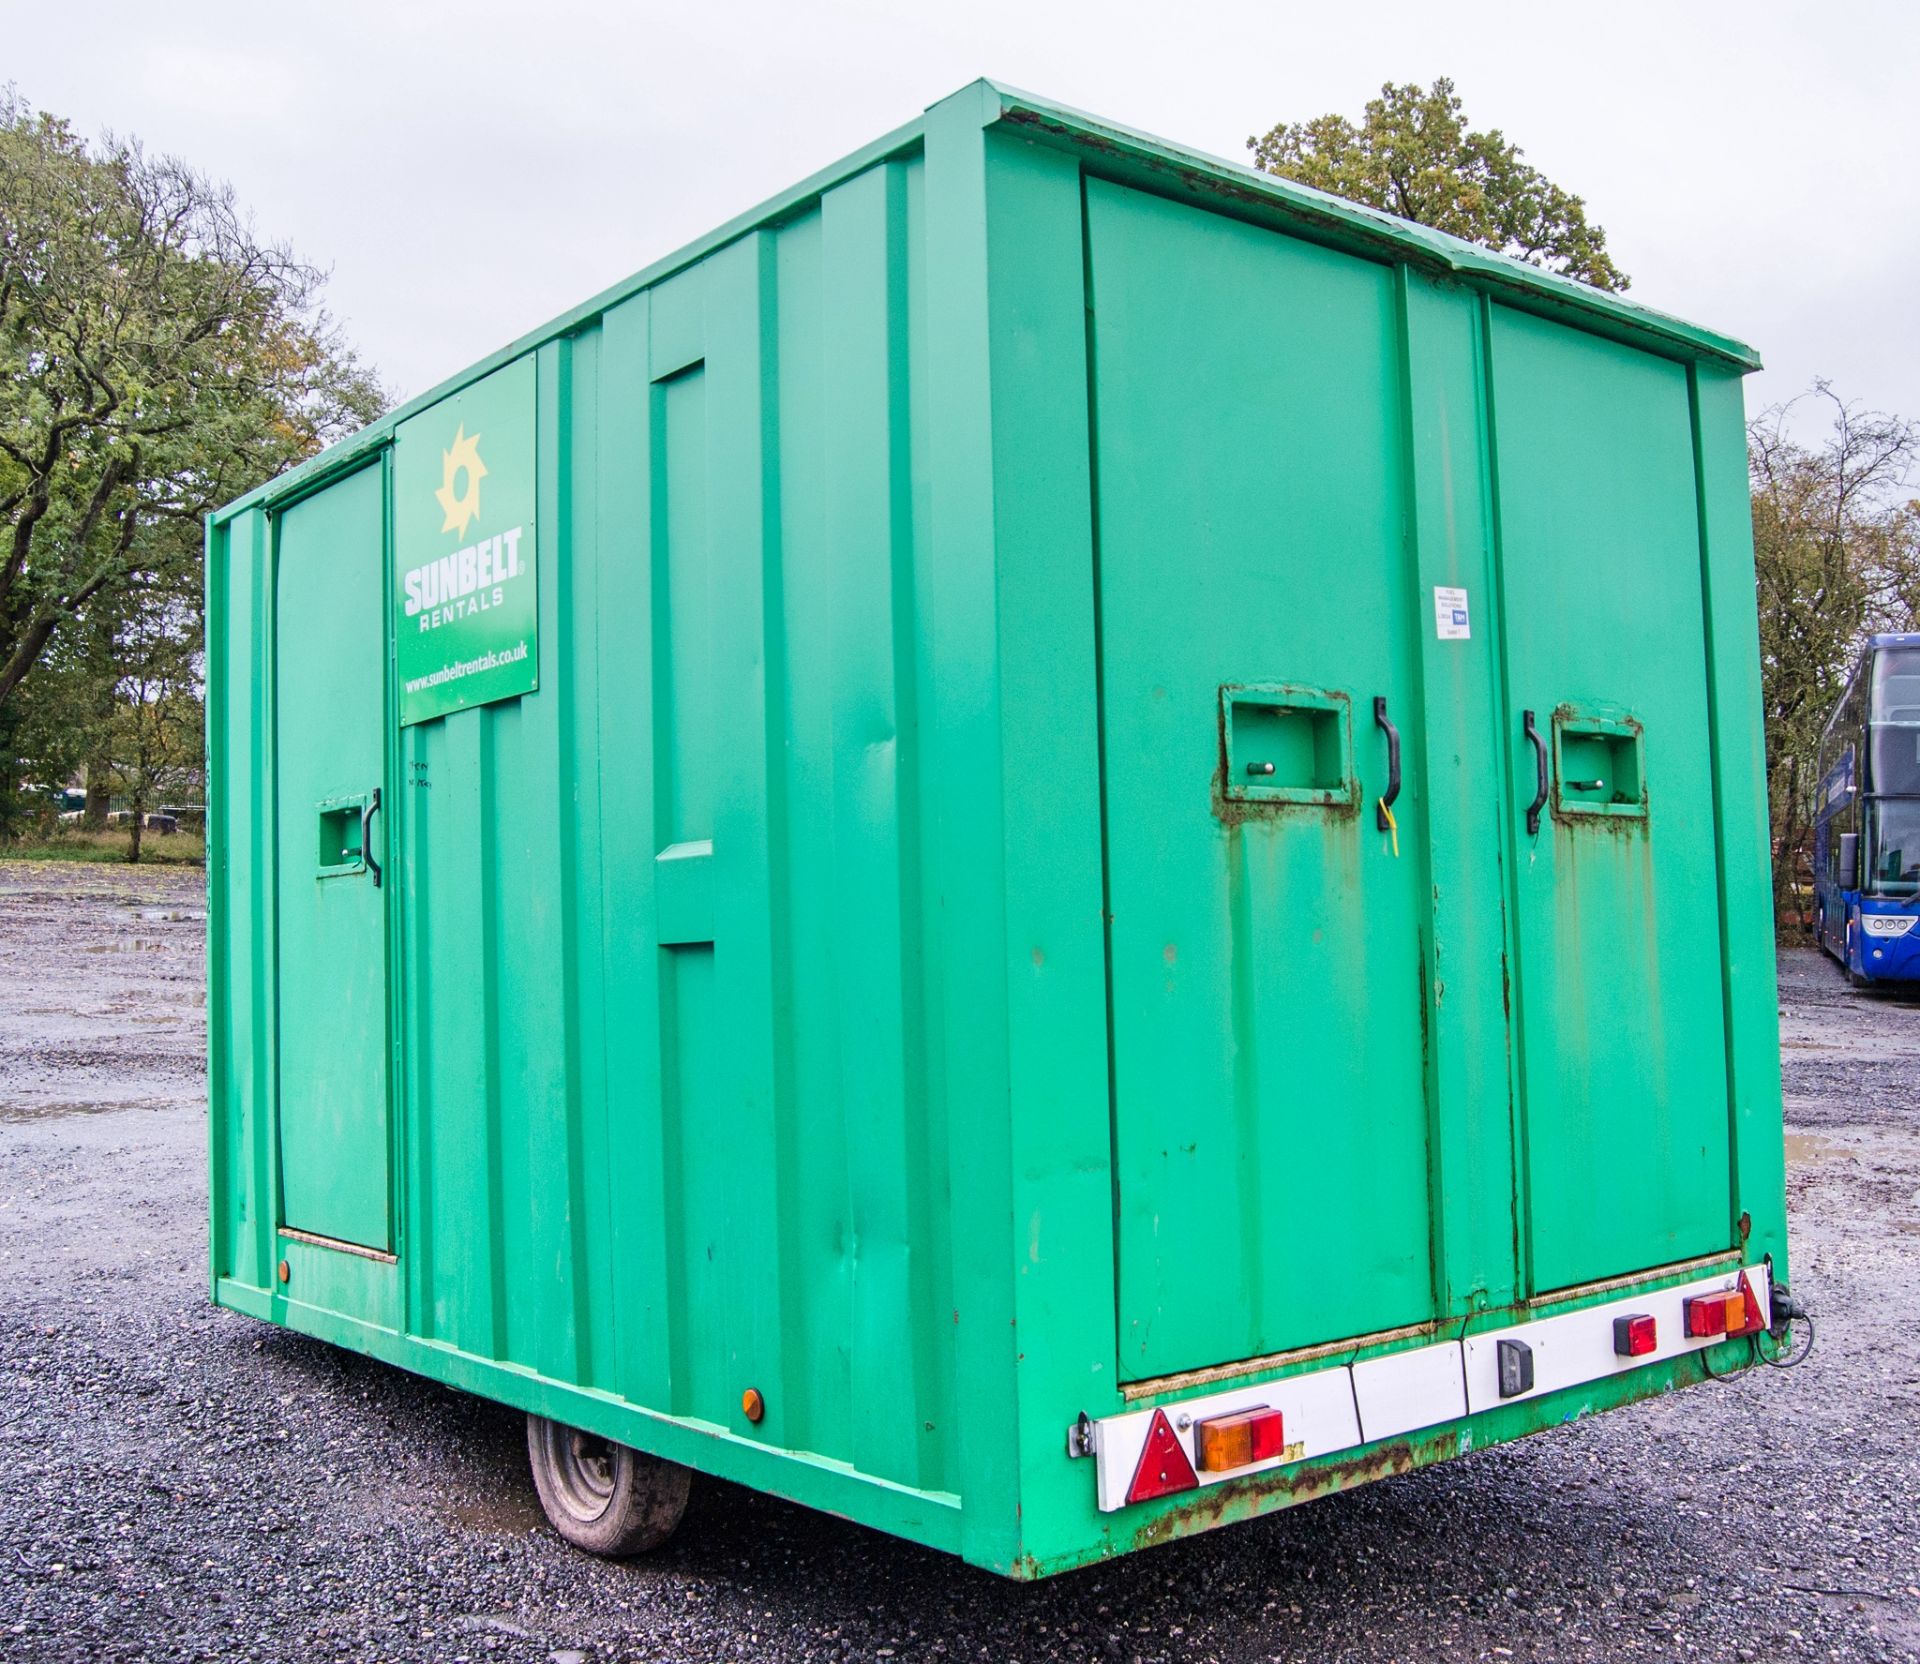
x: 182, y: 1483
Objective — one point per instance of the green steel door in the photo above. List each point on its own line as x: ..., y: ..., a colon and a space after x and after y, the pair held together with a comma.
x: 1620, y: 1011
x: 330, y: 726
x: 1270, y: 1119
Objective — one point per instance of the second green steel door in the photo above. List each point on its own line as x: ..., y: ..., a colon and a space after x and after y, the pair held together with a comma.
x: 1620, y: 1020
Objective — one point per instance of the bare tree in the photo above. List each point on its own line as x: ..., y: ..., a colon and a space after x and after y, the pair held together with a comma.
x: 1837, y: 557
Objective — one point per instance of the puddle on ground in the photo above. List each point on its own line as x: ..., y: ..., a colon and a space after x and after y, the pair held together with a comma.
x: 17, y: 1114
x: 511, y: 1512
x: 1805, y: 1148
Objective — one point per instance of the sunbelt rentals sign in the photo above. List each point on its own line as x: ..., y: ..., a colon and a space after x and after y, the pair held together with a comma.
x: 465, y: 606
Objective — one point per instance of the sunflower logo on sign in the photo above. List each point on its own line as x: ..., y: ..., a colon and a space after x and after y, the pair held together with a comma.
x: 463, y: 457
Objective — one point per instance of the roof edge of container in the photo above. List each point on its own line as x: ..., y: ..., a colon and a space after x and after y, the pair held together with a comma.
x: 1355, y: 223
x: 346, y: 454
x: 1312, y: 210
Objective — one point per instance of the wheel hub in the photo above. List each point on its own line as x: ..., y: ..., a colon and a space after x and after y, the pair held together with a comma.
x: 582, y: 1467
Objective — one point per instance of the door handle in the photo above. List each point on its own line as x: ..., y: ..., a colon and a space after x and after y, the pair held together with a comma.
x: 1383, y: 817
x: 367, y: 811
x: 1540, y: 763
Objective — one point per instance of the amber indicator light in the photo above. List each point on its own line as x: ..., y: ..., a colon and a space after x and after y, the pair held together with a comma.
x: 1239, y: 1440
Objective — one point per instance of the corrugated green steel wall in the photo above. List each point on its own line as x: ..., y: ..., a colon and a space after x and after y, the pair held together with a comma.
x: 630, y: 1202
x: 670, y: 1208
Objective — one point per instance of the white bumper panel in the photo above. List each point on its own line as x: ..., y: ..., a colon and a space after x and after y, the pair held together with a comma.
x: 1407, y: 1390
x: 1336, y: 1409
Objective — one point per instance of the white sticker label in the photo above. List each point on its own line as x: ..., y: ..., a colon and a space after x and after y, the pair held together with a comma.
x: 1450, y: 614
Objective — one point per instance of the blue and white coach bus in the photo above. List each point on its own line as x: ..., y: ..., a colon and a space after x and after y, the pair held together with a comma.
x: 1866, y: 830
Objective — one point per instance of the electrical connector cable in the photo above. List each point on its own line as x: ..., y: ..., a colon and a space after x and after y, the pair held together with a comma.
x: 1787, y: 1311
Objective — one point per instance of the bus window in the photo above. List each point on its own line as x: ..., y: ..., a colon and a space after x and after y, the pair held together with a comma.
x: 1896, y: 685
x: 1894, y: 761
x: 1896, y: 847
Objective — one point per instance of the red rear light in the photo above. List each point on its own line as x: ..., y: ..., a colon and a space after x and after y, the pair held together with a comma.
x: 1635, y: 1336
x: 1732, y: 1312
x: 1237, y: 1441
x: 1164, y: 1467
x: 1706, y: 1316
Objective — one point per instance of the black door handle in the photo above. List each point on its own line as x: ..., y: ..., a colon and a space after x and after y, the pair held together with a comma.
x: 1540, y: 759
x: 1382, y: 818
x: 367, y: 811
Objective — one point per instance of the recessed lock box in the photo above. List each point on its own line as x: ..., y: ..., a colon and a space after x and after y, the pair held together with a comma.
x: 342, y: 836
x: 1287, y: 745
x: 1599, y: 764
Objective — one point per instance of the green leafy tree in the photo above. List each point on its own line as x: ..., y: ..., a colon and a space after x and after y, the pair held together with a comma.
x: 156, y: 359
x: 46, y: 735
x: 155, y: 738
x: 1837, y: 557
x: 1414, y: 155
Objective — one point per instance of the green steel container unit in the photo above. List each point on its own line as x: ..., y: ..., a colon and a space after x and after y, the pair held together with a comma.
x: 1053, y: 844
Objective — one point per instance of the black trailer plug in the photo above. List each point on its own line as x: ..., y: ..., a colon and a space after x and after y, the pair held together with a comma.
x: 1787, y: 1310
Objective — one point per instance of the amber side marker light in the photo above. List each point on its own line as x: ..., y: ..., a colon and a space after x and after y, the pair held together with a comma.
x: 1239, y: 1440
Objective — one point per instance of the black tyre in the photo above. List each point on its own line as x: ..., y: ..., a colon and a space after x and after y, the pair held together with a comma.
x: 601, y: 1496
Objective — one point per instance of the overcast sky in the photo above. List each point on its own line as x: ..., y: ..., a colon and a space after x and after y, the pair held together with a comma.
x: 469, y: 170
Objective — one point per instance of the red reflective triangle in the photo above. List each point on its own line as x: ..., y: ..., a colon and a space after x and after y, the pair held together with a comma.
x: 1755, y: 1319
x: 1164, y: 1467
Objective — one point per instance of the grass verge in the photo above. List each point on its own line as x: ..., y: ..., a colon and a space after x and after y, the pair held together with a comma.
x: 163, y: 849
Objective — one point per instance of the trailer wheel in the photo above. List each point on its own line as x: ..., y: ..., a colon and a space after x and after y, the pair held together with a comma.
x: 601, y: 1496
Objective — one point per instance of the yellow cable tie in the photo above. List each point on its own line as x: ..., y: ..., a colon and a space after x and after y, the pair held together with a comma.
x: 1393, y: 826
